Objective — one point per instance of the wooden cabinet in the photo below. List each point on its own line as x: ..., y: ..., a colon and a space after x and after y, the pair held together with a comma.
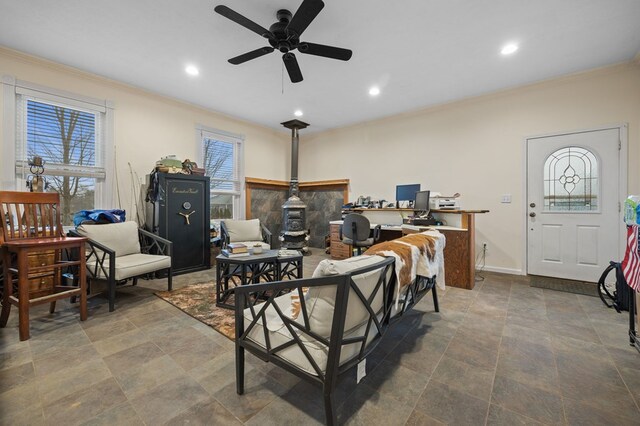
x: 459, y: 259
x: 338, y: 249
x: 41, y: 283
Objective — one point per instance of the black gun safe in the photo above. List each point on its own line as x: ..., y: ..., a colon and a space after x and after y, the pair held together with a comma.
x: 178, y: 210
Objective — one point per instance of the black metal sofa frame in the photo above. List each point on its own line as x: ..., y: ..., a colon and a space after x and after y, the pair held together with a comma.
x: 252, y: 297
x: 105, y: 260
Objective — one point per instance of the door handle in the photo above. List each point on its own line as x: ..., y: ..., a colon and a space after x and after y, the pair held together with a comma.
x: 532, y: 214
x: 532, y: 205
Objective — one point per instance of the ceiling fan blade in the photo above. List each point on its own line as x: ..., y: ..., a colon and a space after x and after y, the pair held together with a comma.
x: 325, y: 51
x: 245, y: 22
x: 291, y: 63
x: 250, y: 55
x: 306, y: 13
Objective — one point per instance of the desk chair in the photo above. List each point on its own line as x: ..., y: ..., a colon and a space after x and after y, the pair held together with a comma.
x: 355, y: 231
x: 32, y: 245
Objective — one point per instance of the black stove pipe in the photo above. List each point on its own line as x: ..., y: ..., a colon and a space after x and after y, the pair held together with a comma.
x: 294, y: 125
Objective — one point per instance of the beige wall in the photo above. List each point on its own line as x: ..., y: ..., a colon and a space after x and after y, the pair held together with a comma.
x: 475, y: 147
x: 148, y: 126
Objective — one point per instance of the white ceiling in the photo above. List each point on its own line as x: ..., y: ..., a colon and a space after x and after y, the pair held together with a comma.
x: 420, y: 52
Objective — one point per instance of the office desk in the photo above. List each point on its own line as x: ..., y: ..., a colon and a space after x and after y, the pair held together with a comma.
x: 459, y: 252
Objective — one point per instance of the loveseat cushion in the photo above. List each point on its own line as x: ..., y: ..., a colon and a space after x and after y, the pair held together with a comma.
x: 279, y: 334
x: 133, y: 265
x: 243, y: 230
x: 119, y: 237
x: 321, y: 300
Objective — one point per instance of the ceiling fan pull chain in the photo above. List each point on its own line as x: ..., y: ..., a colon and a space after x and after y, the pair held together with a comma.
x: 282, y: 78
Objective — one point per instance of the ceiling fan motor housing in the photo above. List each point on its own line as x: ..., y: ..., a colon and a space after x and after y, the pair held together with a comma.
x: 283, y: 41
x: 284, y: 15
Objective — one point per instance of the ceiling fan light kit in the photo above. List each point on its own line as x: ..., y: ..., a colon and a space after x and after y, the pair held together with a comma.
x: 284, y: 36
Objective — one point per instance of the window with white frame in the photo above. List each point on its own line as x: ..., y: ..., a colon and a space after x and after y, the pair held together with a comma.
x: 69, y: 135
x: 222, y: 161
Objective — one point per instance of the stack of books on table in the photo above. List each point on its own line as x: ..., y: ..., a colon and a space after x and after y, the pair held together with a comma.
x: 235, y: 250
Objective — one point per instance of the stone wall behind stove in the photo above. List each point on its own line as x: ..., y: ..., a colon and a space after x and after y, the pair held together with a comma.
x: 322, y: 207
x: 266, y: 205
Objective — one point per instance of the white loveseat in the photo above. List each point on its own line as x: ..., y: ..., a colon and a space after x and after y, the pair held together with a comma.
x: 327, y: 323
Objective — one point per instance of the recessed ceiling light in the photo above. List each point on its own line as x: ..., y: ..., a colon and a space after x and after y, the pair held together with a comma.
x: 298, y: 113
x: 192, y: 70
x: 509, y: 49
x: 374, y: 91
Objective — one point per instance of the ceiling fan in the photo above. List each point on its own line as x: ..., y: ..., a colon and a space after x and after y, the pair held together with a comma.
x: 284, y: 35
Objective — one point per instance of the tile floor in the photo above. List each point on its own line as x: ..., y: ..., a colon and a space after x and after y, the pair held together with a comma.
x: 504, y: 353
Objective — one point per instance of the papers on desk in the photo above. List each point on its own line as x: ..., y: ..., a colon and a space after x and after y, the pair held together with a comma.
x: 435, y: 227
x: 391, y: 227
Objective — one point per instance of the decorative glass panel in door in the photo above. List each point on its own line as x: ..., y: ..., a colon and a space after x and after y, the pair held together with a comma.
x: 571, y: 181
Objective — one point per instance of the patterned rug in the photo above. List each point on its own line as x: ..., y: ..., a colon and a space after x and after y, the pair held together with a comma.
x: 199, y: 301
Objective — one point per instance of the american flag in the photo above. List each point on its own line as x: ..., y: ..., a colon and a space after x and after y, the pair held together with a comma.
x: 631, y: 262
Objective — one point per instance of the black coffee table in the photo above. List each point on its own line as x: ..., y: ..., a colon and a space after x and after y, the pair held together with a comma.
x: 252, y: 269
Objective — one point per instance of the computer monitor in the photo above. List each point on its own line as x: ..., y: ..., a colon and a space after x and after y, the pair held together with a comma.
x: 407, y: 192
x: 421, y: 206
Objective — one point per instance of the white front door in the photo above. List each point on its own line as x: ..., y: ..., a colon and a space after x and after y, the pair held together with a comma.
x: 573, y: 217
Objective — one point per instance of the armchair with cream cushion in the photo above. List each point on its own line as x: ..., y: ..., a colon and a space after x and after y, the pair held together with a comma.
x: 248, y: 232
x: 119, y: 251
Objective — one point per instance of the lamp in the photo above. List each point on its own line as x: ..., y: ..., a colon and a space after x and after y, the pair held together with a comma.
x: 37, y: 182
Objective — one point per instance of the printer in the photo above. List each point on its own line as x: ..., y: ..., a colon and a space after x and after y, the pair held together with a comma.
x: 438, y: 201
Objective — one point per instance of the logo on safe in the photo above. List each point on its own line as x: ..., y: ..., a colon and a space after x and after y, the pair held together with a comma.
x: 185, y: 191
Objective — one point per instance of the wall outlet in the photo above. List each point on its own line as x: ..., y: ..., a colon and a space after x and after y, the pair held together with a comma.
x: 506, y: 198
x: 485, y: 246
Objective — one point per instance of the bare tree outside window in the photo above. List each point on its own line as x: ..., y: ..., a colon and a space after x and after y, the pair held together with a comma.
x: 65, y: 139
x: 219, y: 163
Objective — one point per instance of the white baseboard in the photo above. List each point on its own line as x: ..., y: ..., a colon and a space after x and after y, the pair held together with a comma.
x: 502, y: 270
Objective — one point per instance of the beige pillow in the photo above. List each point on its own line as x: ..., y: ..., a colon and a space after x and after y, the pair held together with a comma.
x: 243, y: 230
x: 321, y: 300
x: 119, y: 237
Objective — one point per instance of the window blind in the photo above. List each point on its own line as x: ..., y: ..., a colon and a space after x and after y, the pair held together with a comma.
x: 67, y: 138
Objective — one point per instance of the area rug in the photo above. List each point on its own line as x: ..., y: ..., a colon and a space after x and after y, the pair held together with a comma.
x: 199, y: 301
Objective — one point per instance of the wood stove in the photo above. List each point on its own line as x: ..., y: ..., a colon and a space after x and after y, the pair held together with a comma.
x: 295, y: 235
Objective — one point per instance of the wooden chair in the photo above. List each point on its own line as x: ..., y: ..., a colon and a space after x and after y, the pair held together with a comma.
x: 32, y: 244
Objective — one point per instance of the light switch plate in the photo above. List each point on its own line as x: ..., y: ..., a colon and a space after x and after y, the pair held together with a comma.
x: 506, y: 198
